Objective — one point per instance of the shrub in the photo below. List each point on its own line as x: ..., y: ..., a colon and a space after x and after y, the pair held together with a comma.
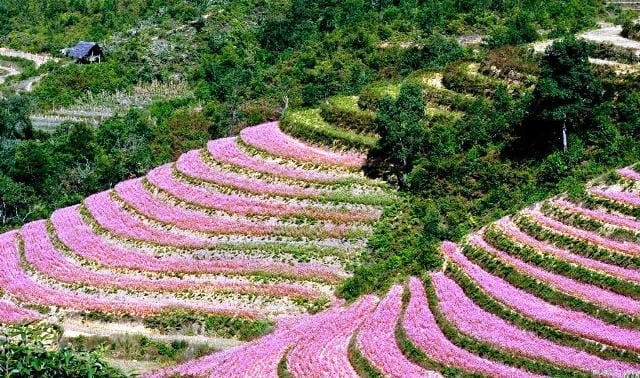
x: 344, y: 112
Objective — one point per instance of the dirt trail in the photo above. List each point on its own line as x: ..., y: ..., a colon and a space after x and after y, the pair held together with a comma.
x: 76, y: 327
x: 38, y: 59
x: 609, y: 33
x: 7, y: 70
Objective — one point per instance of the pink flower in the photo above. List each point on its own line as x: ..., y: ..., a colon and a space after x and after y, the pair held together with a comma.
x: 226, y: 151
x: 566, y: 285
x: 16, y: 282
x: 528, y: 305
x: 141, y: 200
x: 422, y: 329
x: 592, y: 237
x: 626, y: 198
x: 268, y: 137
x: 12, y: 313
x: 79, y: 237
x: 629, y: 173
x: 512, y: 231
x: 486, y: 327
x: 377, y: 341
x: 324, y: 352
x: 42, y: 255
x: 601, y: 215
x: 163, y: 178
x: 192, y: 165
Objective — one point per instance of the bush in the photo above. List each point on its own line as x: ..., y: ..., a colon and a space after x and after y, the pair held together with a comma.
x: 25, y: 354
x: 344, y: 112
x: 631, y: 30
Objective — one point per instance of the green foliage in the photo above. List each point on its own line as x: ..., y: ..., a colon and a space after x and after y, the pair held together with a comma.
x: 495, y: 307
x: 73, y: 81
x: 138, y: 347
x: 401, y: 130
x: 310, y: 126
x: 566, y: 96
x: 631, y: 30
x: 14, y: 118
x: 544, y: 291
x: 345, y: 113
x: 25, y: 354
x: 361, y: 365
x: 517, y: 30
x: 404, y: 242
x: 222, y: 326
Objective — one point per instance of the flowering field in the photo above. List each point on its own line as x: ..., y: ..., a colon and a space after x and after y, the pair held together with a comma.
x: 263, y: 226
x: 247, y: 230
x: 551, y: 291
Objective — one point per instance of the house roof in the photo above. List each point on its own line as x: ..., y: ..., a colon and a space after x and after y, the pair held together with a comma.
x: 82, y: 49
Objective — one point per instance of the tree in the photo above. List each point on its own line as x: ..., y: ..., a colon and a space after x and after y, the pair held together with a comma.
x: 14, y: 118
x: 402, y: 132
x: 517, y: 30
x: 565, y: 96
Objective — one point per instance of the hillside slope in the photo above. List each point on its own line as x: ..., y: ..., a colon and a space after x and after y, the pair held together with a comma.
x: 224, y: 242
x: 551, y: 291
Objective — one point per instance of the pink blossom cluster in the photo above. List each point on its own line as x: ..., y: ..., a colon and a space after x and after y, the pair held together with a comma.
x: 570, y: 321
x: 513, y: 232
x: 324, y: 352
x: 561, y: 283
x: 139, y: 198
x: 12, y: 313
x: 268, y: 137
x: 486, y: 327
x: 120, y: 222
x: 377, y: 341
x: 226, y: 151
x: 192, y: 165
x: 256, y: 359
x: 40, y: 252
x: 162, y: 177
x: 423, y: 330
x: 81, y: 239
x: 629, y: 173
x: 601, y: 215
x: 627, y: 198
x: 592, y: 237
x: 16, y: 282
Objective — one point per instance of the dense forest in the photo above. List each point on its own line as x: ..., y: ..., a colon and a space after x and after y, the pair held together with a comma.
x: 540, y: 125
x: 245, y: 62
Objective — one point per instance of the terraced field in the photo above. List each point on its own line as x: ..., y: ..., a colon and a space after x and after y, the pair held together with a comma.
x: 551, y: 291
x: 252, y: 228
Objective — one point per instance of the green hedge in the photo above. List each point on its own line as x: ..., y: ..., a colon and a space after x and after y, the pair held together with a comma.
x: 546, y: 292
x: 558, y: 266
x: 344, y: 112
x: 586, y: 223
x: 370, y: 96
x: 488, y: 351
x: 491, y: 305
x: 457, y: 77
x: 309, y: 125
x: 579, y: 247
x: 359, y: 363
x: 221, y: 326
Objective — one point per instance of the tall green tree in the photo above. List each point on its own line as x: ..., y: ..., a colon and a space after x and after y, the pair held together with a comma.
x: 402, y: 130
x: 566, y: 95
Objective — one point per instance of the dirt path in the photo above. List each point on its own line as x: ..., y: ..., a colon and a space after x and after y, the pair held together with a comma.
x: 611, y: 34
x: 38, y: 59
x: 76, y: 327
x: 7, y: 70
